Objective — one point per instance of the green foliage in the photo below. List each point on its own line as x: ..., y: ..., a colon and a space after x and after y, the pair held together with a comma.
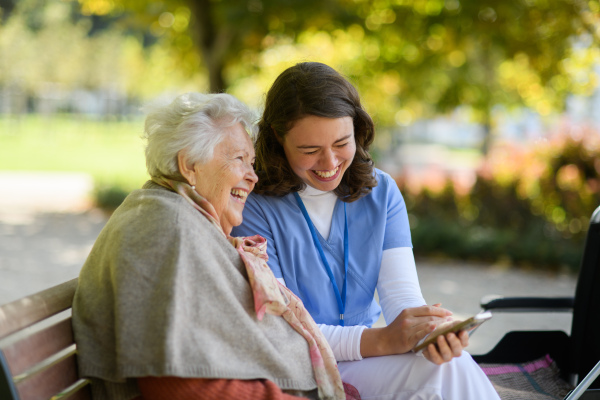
x: 449, y: 53
x: 110, y: 151
x: 409, y: 58
x: 48, y: 49
x: 223, y: 33
x: 526, y: 207
x: 109, y: 197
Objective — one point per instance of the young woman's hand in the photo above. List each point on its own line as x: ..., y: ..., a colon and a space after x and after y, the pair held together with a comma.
x: 447, y: 347
x: 402, y: 335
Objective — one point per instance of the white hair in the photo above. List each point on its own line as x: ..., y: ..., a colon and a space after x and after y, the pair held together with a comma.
x: 193, y: 122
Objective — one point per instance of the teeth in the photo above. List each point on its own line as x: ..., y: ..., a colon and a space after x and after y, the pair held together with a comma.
x: 327, y: 174
x: 240, y: 193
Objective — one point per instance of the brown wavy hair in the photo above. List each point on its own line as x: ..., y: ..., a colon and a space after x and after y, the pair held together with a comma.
x: 311, y: 88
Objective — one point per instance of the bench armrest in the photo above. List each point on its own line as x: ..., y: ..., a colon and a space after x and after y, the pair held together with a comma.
x: 528, y: 304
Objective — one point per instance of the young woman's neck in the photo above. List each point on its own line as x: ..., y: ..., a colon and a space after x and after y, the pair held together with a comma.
x: 320, y: 206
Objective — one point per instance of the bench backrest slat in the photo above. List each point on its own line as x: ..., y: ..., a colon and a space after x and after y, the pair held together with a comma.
x: 33, y: 349
x: 31, y: 309
x: 48, y: 363
x: 74, y: 392
x: 47, y: 383
x: 39, y: 349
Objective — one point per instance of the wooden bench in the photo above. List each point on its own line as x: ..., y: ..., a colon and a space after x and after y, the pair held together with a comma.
x: 37, y: 350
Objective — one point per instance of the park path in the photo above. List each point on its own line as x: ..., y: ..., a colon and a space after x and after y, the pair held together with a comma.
x: 47, y: 229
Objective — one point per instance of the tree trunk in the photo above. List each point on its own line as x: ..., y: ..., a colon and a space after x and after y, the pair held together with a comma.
x: 6, y: 8
x: 486, y: 104
x: 213, y: 42
x: 215, y: 75
x: 488, y: 140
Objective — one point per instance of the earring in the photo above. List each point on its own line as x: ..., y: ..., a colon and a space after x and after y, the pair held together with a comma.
x: 193, y: 187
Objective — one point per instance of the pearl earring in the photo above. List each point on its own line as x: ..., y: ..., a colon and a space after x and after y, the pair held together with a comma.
x: 193, y: 187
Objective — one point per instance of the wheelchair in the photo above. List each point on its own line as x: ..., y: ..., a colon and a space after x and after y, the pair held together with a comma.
x: 577, y: 355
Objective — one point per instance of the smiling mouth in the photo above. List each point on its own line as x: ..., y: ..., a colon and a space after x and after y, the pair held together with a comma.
x: 327, y: 175
x: 239, y: 194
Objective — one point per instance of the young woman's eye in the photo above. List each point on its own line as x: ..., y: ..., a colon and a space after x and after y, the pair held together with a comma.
x: 311, y: 152
x: 343, y: 144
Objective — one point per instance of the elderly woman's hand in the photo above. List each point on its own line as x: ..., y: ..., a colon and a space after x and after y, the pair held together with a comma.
x: 447, y: 346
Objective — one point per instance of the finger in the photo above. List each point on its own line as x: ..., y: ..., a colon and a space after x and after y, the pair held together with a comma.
x: 410, y: 325
x: 464, y: 338
x: 444, y: 348
x: 442, y: 323
x: 421, y: 332
x: 455, y: 344
x: 432, y: 354
x: 426, y: 320
x: 424, y: 311
x: 429, y: 310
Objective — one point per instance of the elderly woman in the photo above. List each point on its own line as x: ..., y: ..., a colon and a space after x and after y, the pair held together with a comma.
x: 169, y: 306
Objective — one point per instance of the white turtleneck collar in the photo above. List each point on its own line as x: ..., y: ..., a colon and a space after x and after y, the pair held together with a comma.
x: 319, y: 206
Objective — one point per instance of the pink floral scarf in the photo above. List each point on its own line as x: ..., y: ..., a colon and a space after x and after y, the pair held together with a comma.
x: 272, y: 297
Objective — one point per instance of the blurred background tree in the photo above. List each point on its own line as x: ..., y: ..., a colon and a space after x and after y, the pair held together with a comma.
x: 417, y: 58
x: 446, y: 54
x: 412, y: 60
x: 220, y: 31
x: 52, y: 57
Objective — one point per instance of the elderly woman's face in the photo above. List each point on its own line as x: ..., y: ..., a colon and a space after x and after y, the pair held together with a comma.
x: 227, y: 179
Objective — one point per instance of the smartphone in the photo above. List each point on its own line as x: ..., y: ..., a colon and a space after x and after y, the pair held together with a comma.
x: 466, y: 325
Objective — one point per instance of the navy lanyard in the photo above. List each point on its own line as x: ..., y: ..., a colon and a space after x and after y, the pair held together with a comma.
x: 341, y: 300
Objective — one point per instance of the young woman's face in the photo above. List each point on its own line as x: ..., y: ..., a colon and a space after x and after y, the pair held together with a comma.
x: 320, y: 150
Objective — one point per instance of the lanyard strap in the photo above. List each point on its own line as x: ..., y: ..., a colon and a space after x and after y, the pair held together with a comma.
x: 341, y: 300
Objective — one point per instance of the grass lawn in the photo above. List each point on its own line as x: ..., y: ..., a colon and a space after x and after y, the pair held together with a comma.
x: 110, y: 151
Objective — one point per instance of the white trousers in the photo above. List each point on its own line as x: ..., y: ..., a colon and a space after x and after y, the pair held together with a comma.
x: 411, y: 377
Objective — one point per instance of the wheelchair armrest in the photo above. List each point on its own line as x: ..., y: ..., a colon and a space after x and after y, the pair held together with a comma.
x: 528, y: 304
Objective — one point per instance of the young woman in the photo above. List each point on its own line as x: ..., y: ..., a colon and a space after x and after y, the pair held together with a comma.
x: 337, y: 230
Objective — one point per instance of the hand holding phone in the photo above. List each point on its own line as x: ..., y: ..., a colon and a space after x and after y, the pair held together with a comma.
x: 466, y: 325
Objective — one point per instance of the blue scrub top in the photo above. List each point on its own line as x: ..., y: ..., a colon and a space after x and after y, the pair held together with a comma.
x: 376, y: 222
